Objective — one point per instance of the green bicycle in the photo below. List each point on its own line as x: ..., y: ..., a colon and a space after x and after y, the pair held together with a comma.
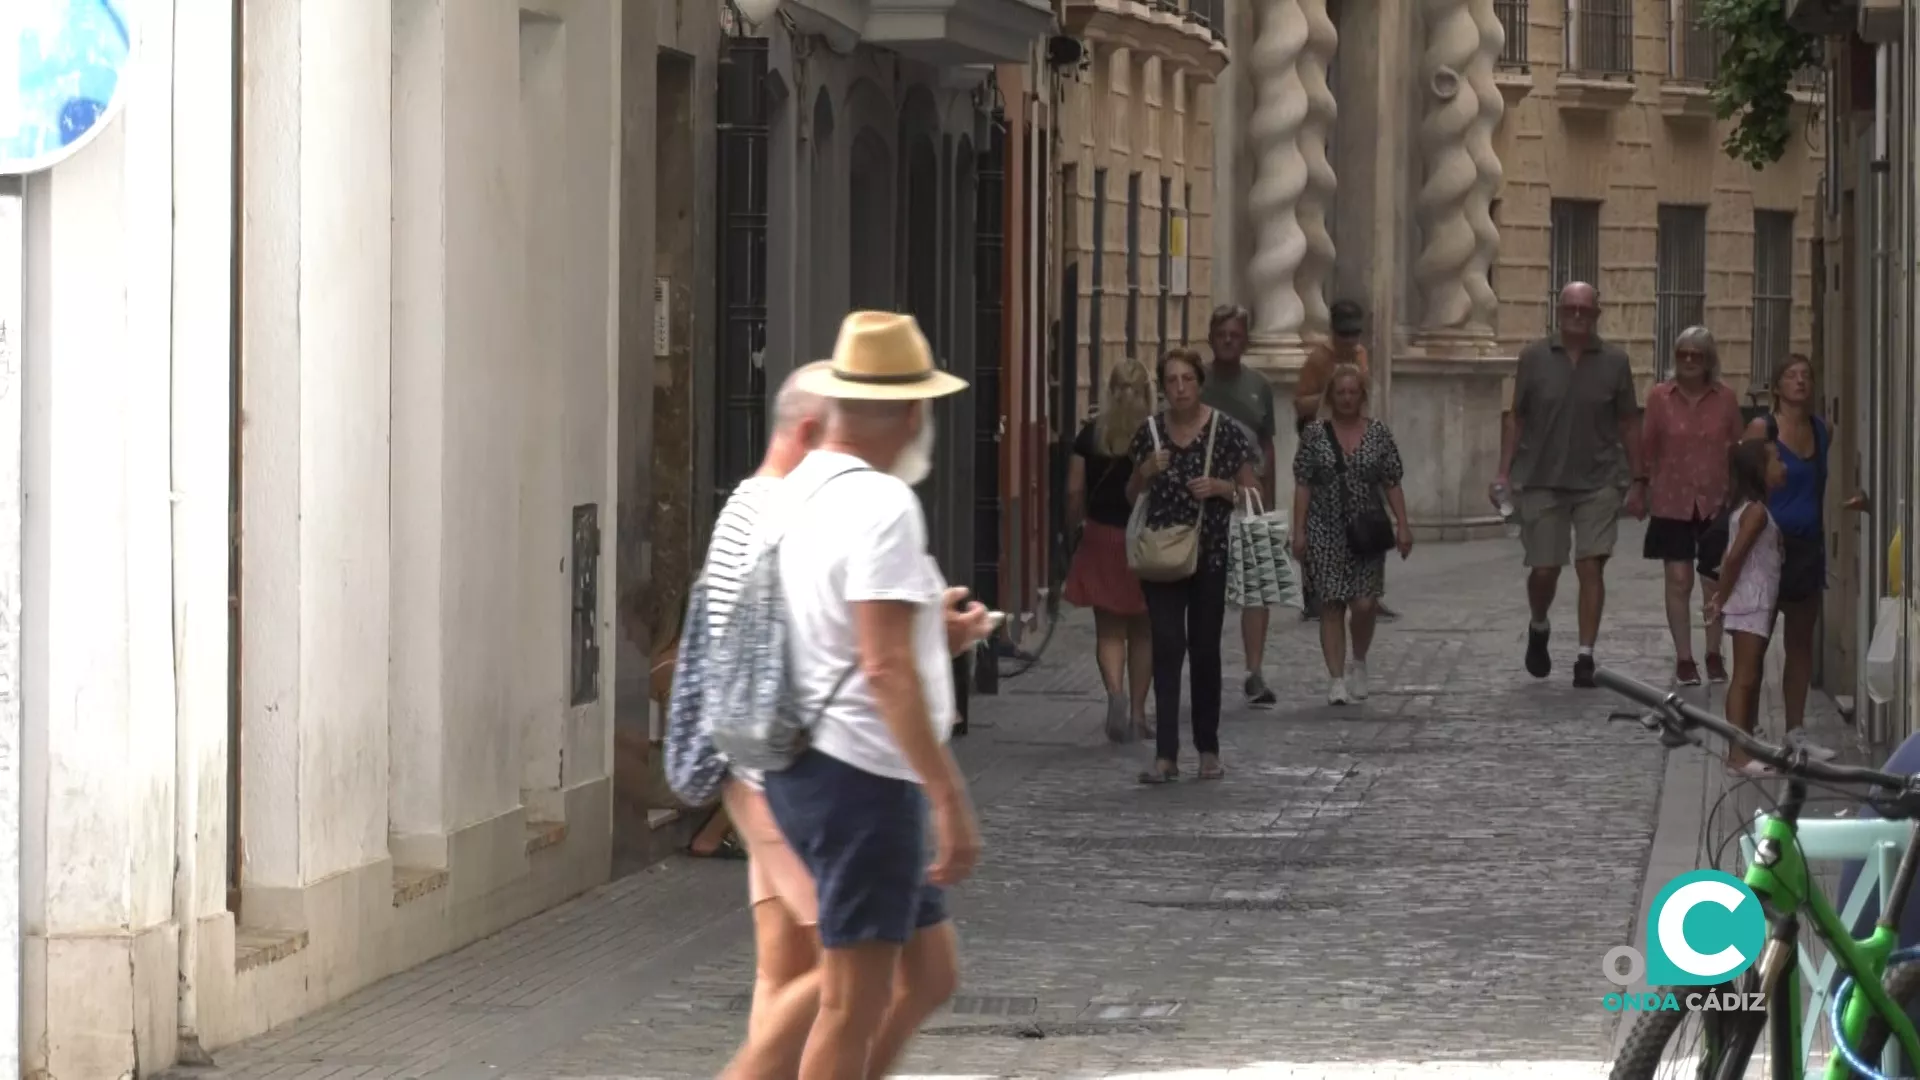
x: 1872, y: 1006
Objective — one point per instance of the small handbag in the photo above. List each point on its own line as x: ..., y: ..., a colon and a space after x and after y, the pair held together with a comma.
x: 1370, y: 532
x: 1172, y: 552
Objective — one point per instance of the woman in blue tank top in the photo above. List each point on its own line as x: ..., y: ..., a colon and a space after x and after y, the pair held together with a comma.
x: 1798, y: 508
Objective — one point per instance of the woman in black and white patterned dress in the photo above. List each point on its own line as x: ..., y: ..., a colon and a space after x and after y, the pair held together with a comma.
x: 1172, y: 472
x: 1325, y: 499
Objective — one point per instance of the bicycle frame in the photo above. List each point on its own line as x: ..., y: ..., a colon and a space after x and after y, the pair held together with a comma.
x: 1778, y: 874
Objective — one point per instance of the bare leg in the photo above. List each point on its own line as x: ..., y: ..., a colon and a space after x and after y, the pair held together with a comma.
x: 1333, y: 638
x: 1593, y: 596
x: 1716, y: 630
x: 786, y: 996
x: 1680, y: 610
x: 1110, y: 651
x: 1743, y: 688
x: 1542, y: 583
x: 1253, y: 635
x: 856, y: 986
x: 1796, y: 674
x: 928, y: 974
x: 1364, y: 611
x: 1139, y: 666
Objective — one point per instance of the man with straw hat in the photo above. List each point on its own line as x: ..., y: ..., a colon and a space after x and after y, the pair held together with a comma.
x: 873, y: 629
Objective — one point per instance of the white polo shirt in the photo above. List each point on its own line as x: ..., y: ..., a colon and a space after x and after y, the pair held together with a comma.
x: 859, y: 538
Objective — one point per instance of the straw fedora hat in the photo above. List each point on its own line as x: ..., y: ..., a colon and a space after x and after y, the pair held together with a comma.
x: 880, y: 356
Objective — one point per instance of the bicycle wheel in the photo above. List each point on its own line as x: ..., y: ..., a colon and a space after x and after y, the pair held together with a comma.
x: 1902, y: 982
x: 1682, y: 1045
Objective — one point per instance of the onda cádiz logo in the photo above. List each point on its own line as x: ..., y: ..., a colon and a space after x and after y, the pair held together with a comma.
x: 1705, y: 928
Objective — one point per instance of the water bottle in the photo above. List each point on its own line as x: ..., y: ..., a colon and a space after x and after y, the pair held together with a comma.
x: 1503, y: 502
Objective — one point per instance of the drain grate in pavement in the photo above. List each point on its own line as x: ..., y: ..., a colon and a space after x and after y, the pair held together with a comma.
x: 1071, y: 1030
x: 961, y: 1005
x: 1242, y: 904
x: 1275, y: 844
x: 988, y: 1005
x: 1108, y: 1012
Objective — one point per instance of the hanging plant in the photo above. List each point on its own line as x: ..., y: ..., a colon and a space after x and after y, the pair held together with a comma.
x: 1760, y: 56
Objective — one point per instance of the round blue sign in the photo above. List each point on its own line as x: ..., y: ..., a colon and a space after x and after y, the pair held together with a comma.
x: 62, y: 77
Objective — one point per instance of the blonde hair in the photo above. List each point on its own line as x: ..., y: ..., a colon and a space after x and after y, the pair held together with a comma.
x: 1345, y: 371
x: 1125, y: 403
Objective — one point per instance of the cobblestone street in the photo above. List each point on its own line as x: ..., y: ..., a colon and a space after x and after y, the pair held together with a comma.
x: 1431, y: 877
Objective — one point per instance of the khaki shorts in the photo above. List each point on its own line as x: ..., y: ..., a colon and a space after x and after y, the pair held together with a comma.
x: 1557, y: 524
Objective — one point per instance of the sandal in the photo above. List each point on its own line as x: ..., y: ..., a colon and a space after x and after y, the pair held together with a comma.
x: 1145, y: 729
x: 1160, y: 772
x: 729, y: 846
x: 1211, y: 769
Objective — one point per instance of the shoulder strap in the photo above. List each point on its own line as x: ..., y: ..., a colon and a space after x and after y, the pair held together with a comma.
x: 817, y: 488
x: 1773, y: 429
x: 1213, y: 426
x: 1339, y: 456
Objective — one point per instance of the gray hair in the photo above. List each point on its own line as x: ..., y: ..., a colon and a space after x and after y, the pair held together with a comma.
x: 1227, y: 313
x: 793, y: 404
x: 1700, y: 338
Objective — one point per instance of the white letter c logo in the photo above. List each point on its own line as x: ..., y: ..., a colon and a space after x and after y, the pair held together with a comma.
x: 1673, y: 921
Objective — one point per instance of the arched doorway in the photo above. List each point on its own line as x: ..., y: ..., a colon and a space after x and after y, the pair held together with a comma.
x: 870, y: 223
x: 826, y: 279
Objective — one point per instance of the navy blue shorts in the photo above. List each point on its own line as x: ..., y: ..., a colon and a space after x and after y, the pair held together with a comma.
x: 864, y: 839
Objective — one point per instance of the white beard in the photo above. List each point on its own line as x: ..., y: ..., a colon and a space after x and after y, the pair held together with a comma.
x: 915, y: 463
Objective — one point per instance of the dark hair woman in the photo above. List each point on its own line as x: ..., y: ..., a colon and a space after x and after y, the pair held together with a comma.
x: 1798, y: 508
x: 1189, y: 461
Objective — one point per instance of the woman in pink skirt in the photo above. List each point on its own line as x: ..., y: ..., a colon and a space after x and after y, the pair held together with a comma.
x: 1098, y: 577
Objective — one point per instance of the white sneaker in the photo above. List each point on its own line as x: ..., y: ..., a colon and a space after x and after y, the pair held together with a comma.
x: 1357, y: 679
x: 1337, y: 692
x: 1797, y: 740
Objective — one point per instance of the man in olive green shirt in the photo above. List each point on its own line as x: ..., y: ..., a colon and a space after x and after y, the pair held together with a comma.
x: 1246, y: 396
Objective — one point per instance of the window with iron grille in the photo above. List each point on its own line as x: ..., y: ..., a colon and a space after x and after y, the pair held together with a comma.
x: 1133, y: 264
x: 1186, y: 298
x: 1772, y: 293
x: 1679, y: 279
x: 1096, y: 328
x: 1513, y: 19
x: 1166, y: 256
x: 1574, y: 237
x: 1693, y: 48
x: 1600, y: 37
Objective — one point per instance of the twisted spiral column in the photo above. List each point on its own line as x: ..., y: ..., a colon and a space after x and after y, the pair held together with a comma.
x: 1280, y: 170
x: 1316, y: 267
x: 1486, y: 163
x: 1448, y: 241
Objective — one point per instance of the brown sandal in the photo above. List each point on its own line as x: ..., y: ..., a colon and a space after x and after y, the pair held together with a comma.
x: 1211, y: 769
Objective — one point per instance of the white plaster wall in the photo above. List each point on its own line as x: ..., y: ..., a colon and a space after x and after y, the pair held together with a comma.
x: 98, y: 675
x: 315, y: 445
x: 416, y: 684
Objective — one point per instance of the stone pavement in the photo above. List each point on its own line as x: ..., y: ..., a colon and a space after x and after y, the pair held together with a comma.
x: 1431, y: 877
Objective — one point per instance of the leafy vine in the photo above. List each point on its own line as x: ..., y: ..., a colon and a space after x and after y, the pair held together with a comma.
x: 1760, y: 57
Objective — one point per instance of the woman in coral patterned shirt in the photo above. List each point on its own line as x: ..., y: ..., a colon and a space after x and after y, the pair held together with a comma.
x: 1691, y: 422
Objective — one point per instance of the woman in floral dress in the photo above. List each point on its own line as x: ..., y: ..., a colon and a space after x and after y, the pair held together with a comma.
x: 1326, y: 497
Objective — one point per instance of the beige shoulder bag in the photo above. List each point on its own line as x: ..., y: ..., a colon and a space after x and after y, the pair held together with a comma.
x: 1170, y: 553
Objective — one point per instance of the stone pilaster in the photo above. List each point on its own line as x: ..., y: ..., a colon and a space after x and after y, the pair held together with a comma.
x: 1458, y: 238
x: 1280, y: 172
x: 1316, y: 268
